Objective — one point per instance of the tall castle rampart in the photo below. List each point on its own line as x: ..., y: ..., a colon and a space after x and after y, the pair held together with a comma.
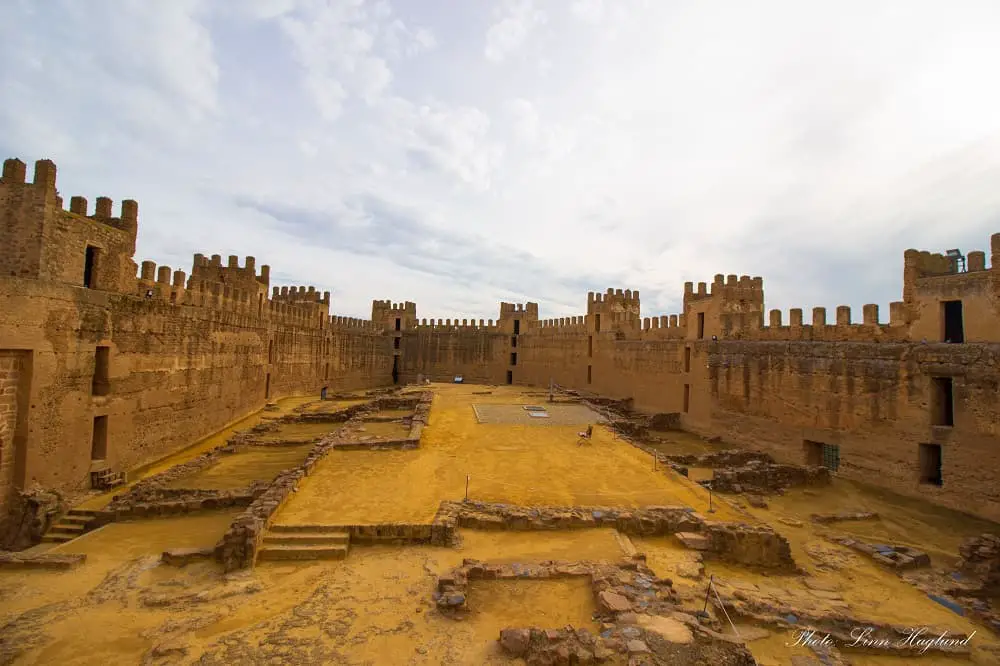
x: 106, y: 362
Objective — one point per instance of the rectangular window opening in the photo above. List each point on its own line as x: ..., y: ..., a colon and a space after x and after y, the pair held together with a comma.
x: 99, y: 440
x: 101, y: 384
x: 930, y: 464
x: 513, y: 358
x: 267, y: 386
x: 399, y: 324
x: 510, y: 377
x: 818, y: 454
x: 942, y: 401
x: 395, y: 343
x: 590, y: 373
x: 513, y: 341
x: 687, y: 398
x: 701, y: 325
x: 90, y: 267
x: 954, y: 324
x: 597, y: 323
x: 517, y: 327
x: 687, y: 359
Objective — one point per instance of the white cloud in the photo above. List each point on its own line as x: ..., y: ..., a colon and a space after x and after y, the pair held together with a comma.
x: 631, y: 143
x: 516, y: 19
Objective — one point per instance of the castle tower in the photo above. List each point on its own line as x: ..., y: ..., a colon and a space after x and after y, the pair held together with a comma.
x: 614, y: 310
x: 732, y: 304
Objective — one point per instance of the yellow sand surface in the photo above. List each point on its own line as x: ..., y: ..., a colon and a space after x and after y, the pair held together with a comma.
x: 524, y: 465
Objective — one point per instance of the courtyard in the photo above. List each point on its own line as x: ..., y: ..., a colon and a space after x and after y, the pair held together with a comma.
x: 128, y: 602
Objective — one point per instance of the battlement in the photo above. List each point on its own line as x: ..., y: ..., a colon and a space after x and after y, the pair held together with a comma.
x: 456, y: 325
x: 932, y: 271
x: 246, y: 276
x: 626, y: 298
x: 397, y: 309
x: 300, y: 296
x: 527, y: 311
x: 664, y: 327
x: 842, y: 328
x: 344, y: 323
x: 576, y: 324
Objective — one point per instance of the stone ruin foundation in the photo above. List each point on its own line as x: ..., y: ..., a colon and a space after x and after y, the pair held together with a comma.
x: 639, y: 616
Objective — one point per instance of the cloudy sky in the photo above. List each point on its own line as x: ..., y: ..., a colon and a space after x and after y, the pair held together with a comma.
x: 457, y: 153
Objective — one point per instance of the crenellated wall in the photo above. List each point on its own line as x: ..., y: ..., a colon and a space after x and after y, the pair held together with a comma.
x: 169, y: 358
x: 101, y: 368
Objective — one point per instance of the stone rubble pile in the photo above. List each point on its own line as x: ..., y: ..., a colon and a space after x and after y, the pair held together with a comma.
x: 895, y: 557
x: 638, y: 612
x: 981, y: 562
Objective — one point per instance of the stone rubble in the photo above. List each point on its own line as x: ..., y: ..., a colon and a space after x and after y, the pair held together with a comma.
x: 640, y: 620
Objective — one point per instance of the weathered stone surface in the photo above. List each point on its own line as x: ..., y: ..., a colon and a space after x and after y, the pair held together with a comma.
x: 22, y: 560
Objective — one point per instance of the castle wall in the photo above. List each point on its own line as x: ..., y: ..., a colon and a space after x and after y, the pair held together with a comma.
x: 873, y: 400
x: 176, y: 373
x: 440, y: 352
x: 14, y: 373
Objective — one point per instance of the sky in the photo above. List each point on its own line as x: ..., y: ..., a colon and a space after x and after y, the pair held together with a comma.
x: 459, y: 153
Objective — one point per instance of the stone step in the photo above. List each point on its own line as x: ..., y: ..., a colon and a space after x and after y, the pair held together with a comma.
x: 315, y: 529
x: 308, y: 538
x: 76, y: 520
x: 73, y: 529
x: 57, y: 538
x: 281, y: 552
x: 82, y: 512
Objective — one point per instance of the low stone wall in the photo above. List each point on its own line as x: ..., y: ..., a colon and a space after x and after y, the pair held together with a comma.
x: 22, y: 560
x: 761, y: 477
x: 166, y: 502
x: 727, y: 458
x: 751, y: 545
x: 754, y: 545
x: 389, y: 533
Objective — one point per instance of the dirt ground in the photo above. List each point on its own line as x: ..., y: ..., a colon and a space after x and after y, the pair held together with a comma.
x: 124, y: 607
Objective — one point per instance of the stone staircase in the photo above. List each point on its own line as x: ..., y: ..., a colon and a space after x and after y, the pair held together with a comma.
x: 74, y: 523
x: 304, y: 542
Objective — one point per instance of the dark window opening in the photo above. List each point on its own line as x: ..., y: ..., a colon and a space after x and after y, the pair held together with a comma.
x: 102, y: 382
x: 510, y: 377
x: 395, y: 343
x: 517, y: 327
x: 267, y: 386
x: 590, y: 346
x: 930, y: 464
x: 942, y: 401
x: 819, y: 454
x: 687, y: 398
x: 260, y: 303
x: 597, y: 323
x: 954, y: 326
x: 99, y: 440
x: 90, y: 267
x: 513, y: 341
x: 701, y: 325
x: 513, y: 358
x: 590, y: 373
x: 687, y: 359
x: 399, y: 323
x: 395, y: 369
